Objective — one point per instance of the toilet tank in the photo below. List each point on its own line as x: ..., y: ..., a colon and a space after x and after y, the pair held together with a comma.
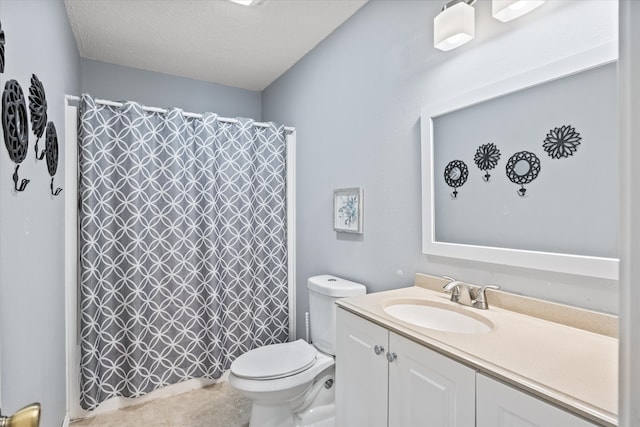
x: 324, y: 290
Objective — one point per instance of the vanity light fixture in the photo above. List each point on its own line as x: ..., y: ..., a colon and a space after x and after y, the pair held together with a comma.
x: 454, y: 25
x: 246, y: 2
x: 507, y: 10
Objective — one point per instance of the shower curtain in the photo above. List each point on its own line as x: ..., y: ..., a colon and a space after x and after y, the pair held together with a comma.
x: 183, y: 255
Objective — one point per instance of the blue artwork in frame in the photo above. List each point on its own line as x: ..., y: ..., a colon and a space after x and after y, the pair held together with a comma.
x: 348, y: 210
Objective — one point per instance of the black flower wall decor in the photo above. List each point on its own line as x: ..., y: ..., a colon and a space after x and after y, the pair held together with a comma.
x: 1, y: 49
x: 455, y: 175
x: 522, y: 168
x: 486, y: 158
x: 51, y: 150
x: 15, y: 126
x: 38, y: 110
x: 561, y: 142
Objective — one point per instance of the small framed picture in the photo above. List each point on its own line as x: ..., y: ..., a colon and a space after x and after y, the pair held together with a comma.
x: 348, y: 210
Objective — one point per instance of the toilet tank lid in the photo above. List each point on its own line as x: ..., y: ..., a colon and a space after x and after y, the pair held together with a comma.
x: 333, y: 286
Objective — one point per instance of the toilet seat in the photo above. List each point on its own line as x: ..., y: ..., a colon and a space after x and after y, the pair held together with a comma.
x: 275, y: 361
x: 274, y: 387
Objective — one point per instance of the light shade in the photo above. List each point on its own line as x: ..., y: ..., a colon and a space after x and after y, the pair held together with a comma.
x: 506, y: 10
x: 246, y: 2
x: 454, y: 26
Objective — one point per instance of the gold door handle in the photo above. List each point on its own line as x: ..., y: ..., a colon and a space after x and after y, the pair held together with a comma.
x: 29, y: 416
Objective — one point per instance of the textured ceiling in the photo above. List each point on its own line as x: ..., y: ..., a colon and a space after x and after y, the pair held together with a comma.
x: 210, y: 40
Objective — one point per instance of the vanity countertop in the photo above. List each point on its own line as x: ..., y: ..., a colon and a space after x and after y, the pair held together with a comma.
x: 562, y: 354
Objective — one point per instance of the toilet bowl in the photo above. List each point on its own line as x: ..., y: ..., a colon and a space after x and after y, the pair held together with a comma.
x: 292, y: 384
x: 280, y: 396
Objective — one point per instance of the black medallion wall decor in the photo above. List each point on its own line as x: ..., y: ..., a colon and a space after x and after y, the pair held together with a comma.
x: 1, y: 49
x: 455, y: 175
x: 561, y: 142
x: 38, y: 110
x: 522, y: 168
x: 51, y: 150
x: 486, y: 158
x: 15, y: 126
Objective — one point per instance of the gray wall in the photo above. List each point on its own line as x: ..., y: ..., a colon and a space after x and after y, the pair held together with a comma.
x: 32, y: 310
x: 118, y: 83
x: 355, y: 101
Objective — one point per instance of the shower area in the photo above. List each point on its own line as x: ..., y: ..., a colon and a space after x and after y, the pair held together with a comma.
x: 180, y: 247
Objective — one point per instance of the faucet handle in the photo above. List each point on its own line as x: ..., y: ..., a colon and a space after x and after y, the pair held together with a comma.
x: 480, y: 298
x: 452, y: 287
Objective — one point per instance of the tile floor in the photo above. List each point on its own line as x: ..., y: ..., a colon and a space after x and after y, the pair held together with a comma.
x: 217, y: 405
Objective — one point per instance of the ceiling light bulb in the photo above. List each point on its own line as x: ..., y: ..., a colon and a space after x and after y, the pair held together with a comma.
x: 246, y: 2
x: 454, y: 26
x: 454, y: 39
x: 508, y: 10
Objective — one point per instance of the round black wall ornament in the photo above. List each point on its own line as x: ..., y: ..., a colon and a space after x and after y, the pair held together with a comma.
x: 1, y: 49
x: 455, y: 175
x: 38, y: 110
x: 561, y: 142
x: 51, y: 150
x: 522, y: 168
x: 486, y: 158
x: 15, y: 126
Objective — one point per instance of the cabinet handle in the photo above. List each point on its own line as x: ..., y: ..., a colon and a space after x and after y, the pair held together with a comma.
x: 391, y: 357
x: 378, y: 350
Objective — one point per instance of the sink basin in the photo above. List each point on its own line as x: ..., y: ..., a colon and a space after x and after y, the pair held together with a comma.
x: 440, y: 317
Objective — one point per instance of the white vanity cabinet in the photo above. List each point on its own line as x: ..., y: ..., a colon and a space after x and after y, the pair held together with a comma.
x: 499, y: 405
x: 384, y: 379
x: 361, y: 372
x: 427, y: 388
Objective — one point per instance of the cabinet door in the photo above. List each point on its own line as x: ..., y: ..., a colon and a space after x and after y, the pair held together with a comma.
x: 427, y: 389
x: 361, y: 374
x: 499, y: 405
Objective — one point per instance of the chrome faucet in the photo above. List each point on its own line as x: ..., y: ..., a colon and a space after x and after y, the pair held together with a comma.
x: 466, y: 294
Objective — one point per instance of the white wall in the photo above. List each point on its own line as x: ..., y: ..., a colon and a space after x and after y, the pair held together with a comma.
x: 629, y: 390
x: 32, y: 327
x: 355, y: 101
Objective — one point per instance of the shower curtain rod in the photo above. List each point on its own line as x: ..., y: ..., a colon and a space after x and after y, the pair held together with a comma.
x: 164, y: 111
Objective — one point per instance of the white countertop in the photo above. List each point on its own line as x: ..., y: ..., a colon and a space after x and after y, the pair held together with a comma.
x: 570, y: 366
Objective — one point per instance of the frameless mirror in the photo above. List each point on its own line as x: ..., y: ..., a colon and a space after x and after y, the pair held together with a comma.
x: 455, y: 173
x: 522, y: 167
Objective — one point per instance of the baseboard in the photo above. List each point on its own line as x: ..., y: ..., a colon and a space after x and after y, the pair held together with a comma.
x: 65, y: 421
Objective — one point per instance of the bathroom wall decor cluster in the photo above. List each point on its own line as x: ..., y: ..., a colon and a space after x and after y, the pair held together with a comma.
x: 15, y: 125
x: 522, y: 167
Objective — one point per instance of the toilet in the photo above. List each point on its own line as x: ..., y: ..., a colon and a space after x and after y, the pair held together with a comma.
x: 291, y: 384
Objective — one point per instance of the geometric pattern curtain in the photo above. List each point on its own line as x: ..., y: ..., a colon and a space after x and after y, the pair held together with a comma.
x: 183, y: 254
